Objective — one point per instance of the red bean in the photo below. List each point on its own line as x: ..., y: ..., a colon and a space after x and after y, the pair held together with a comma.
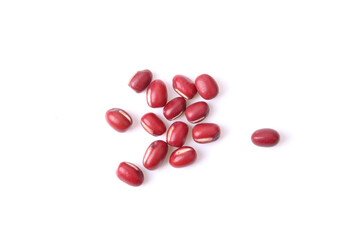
x: 206, y: 132
x: 156, y: 94
x: 207, y: 87
x: 118, y: 119
x: 184, y: 86
x: 140, y: 80
x: 265, y: 137
x: 177, y: 134
x: 182, y: 157
x: 197, y: 112
x: 130, y: 174
x: 155, y: 154
x: 174, y: 108
x: 152, y: 124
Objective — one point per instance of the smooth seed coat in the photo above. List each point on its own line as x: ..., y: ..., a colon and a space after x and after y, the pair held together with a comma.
x: 207, y: 87
x: 156, y: 94
x: 118, y: 119
x: 177, y: 134
x: 152, y: 124
x: 182, y: 157
x: 184, y: 86
x: 265, y: 137
x: 140, y: 80
x: 130, y: 174
x: 155, y: 154
x: 206, y: 132
x: 197, y: 112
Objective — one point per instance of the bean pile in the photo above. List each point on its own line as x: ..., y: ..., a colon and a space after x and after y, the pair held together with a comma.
x: 157, y: 97
x: 176, y: 134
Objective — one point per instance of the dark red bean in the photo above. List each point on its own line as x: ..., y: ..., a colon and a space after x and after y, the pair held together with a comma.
x: 152, y: 124
x: 118, y: 119
x: 197, y: 112
x: 182, y: 157
x: 174, y: 108
x: 156, y: 94
x: 206, y: 132
x: 155, y: 154
x: 140, y: 80
x: 177, y: 134
x: 184, y: 86
x: 130, y: 174
x: 265, y: 137
x: 207, y: 87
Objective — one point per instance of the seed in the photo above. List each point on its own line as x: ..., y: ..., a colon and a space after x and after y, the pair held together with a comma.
x: 177, y: 134
x: 130, y: 174
x: 265, y: 137
x: 182, y: 157
x: 207, y: 87
x: 156, y: 94
x: 206, y: 132
x: 140, y: 80
x: 174, y: 108
x: 118, y: 119
x: 184, y: 86
x: 155, y: 154
x: 152, y: 124
x: 197, y: 112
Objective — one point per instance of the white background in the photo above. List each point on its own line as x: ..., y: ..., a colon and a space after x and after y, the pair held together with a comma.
x: 279, y: 64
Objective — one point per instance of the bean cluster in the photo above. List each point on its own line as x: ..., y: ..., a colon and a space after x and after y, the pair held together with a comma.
x: 156, y: 96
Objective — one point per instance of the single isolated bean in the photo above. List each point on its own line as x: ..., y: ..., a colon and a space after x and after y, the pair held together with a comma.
x: 156, y: 94
x: 265, y: 137
x: 174, y: 108
x: 197, y: 112
x: 177, y: 134
x: 140, y: 80
x: 152, y: 124
x: 207, y: 87
x: 130, y: 174
x: 118, y: 119
x: 184, y: 86
x: 155, y: 154
x: 182, y: 157
x: 206, y: 132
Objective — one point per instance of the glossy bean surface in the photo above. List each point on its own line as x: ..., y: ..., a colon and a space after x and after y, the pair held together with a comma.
x: 130, y: 174
x: 140, y: 81
x: 118, y: 119
x: 207, y: 87
x: 182, y: 157
x: 174, y: 108
x: 177, y: 134
x: 265, y: 137
x: 153, y: 124
x: 184, y: 86
x: 206, y: 132
x: 156, y: 94
x: 155, y: 154
x: 197, y: 112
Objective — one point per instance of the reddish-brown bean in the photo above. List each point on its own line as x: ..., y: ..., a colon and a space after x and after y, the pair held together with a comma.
x: 177, y: 134
x: 265, y: 137
x: 140, y: 80
x: 156, y: 94
x: 174, y: 108
x: 206, y: 132
x: 197, y: 112
x: 130, y: 174
x: 184, y: 86
x: 152, y: 124
x: 182, y: 157
x: 118, y: 119
x: 207, y: 87
x: 155, y: 154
